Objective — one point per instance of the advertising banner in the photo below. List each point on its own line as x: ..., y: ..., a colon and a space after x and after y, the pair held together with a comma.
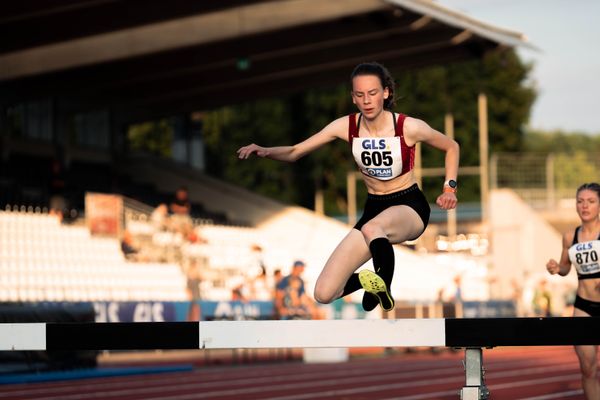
x: 103, y: 214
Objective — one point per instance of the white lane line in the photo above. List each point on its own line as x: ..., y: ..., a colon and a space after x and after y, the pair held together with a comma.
x: 215, y: 376
x: 256, y: 372
x: 365, y: 369
x: 267, y: 378
x: 560, y: 395
x: 366, y: 373
x: 428, y: 382
x: 148, y: 391
x: 493, y: 388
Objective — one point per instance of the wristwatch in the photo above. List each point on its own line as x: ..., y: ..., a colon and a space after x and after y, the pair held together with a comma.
x: 450, y: 186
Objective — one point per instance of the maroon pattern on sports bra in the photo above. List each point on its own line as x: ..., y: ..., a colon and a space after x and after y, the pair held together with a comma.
x: 408, y: 153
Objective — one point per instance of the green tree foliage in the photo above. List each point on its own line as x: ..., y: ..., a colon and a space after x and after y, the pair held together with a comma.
x: 427, y: 94
x: 154, y: 137
x: 262, y: 121
x: 560, y: 142
x: 571, y: 170
x: 576, y: 155
x: 430, y: 93
x: 329, y: 165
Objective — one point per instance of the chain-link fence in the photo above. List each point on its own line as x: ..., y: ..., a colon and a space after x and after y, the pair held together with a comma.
x: 543, y: 180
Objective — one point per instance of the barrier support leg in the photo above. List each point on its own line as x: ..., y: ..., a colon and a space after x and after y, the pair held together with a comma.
x: 474, y: 388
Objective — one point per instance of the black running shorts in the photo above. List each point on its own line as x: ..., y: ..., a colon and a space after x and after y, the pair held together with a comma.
x: 412, y: 197
x: 590, y: 307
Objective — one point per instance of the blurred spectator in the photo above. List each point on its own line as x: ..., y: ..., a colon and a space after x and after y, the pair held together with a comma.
x: 181, y: 221
x: 237, y: 294
x: 542, y: 300
x: 194, y: 312
x: 181, y: 203
x: 194, y: 279
x: 56, y: 190
x: 569, y: 302
x: 257, y: 256
x: 517, y: 297
x: 130, y: 251
x: 160, y: 218
x: 440, y: 295
x: 277, y: 276
x: 457, y: 297
x: 260, y: 287
x: 528, y: 293
x: 237, y: 284
x: 291, y: 300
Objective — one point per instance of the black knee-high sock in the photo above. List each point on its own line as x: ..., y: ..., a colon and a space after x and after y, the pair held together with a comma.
x: 352, y: 285
x: 383, y: 259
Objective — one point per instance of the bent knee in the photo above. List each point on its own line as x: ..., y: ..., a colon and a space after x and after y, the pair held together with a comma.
x: 324, y: 298
x: 325, y: 295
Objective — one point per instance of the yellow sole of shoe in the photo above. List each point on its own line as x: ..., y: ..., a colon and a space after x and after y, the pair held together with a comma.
x: 373, y: 284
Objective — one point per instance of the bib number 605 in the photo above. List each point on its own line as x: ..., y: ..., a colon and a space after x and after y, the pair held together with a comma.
x: 376, y: 158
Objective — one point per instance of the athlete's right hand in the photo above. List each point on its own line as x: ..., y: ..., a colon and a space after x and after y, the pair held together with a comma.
x: 245, y: 152
x: 553, y: 267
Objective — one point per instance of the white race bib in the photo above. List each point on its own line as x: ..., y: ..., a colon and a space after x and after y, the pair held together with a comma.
x: 584, y: 256
x: 380, y: 158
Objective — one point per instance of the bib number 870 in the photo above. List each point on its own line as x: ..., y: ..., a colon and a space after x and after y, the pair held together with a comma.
x: 376, y: 158
x: 586, y: 256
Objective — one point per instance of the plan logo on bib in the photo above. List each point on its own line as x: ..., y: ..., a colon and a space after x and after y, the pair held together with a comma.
x: 379, y: 172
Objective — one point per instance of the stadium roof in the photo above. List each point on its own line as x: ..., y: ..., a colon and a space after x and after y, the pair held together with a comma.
x: 155, y: 57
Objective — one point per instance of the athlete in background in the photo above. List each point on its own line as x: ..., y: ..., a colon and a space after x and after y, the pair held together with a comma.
x: 581, y: 248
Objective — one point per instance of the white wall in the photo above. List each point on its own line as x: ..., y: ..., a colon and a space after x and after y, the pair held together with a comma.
x: 522, y: 243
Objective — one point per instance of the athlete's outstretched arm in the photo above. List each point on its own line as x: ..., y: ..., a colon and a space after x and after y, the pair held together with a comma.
x: 336, y: 129
x: 562, y: 267
x: 419, y: 131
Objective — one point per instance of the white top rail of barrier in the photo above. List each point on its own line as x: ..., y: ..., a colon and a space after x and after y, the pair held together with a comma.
x: 322, y: 333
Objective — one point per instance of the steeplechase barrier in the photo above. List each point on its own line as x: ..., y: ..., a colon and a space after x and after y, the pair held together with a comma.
x: 472, y: 334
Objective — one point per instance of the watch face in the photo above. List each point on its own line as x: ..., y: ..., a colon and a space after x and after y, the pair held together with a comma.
x: 452, y: 184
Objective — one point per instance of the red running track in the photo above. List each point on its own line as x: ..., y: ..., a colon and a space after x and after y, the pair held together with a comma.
x: 518, y: 373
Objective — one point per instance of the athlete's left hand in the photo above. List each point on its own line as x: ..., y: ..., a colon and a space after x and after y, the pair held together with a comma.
x: 447, y: 201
